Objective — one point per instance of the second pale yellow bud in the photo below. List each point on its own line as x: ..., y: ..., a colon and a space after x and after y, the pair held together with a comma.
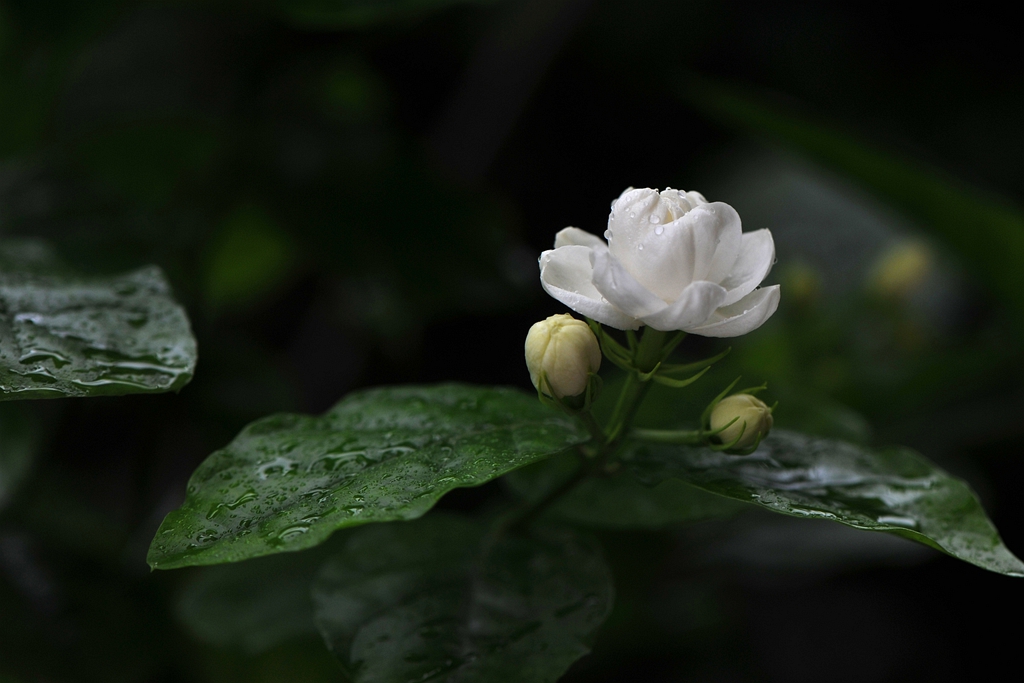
x: 564, y: 351
x: 753, y: 420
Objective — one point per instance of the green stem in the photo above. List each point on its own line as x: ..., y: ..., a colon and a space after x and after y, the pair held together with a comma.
x: 593, y: 427
x: 649, y: 353
x: 692, y: 437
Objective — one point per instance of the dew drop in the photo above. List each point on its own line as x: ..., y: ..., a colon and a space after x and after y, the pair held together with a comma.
x: 640, y: 247
x: 654, y: 219
x: 658, y: 230
x: 632, y: 214
x: 607, y: 234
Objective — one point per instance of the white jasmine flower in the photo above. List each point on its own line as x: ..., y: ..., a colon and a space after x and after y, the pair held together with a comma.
x: 673, y: 261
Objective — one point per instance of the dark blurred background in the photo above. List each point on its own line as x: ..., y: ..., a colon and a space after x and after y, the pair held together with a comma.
x: 347, y: 193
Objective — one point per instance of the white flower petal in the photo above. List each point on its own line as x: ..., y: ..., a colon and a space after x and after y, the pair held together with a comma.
x: 746, y: 315
x: 645, y: 234
x: 629, y: 217
x: 694, y: 306
x: 566, y: 274
x: 757, y: 254
x: 620, y: 288
x: 717, y: 235
x: 659, y: 257
x: 568, y: 236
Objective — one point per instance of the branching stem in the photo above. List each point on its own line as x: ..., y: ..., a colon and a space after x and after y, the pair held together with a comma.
x: 606, y: 441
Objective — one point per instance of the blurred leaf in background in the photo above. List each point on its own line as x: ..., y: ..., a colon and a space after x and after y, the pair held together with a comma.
x: 984, y: 229
x: 20, y: 435
x: 349, y: 14
x: 249, y: 257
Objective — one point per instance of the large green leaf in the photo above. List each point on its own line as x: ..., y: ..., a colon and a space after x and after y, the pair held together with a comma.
x: 19, y: 437
x: 985, y: 230
x: 350, y: 14
x: 618, y: 501
x: 893, y: 490
x: 288, y: 481
x: 436, y: 600
x: 70, y: 335
x: 255, y: 605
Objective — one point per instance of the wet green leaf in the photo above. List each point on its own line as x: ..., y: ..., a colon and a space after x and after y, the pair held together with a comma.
x: 437, y: 600
x: 618, y: 501
x: 288, y: 481
x: 893, y: 490
x: 70, y: 335
x: 19, y: 438
x: 349, y: 14
x: 256, y: 605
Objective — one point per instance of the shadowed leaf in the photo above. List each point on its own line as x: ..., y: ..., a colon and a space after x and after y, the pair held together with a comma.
x: 437, y: 600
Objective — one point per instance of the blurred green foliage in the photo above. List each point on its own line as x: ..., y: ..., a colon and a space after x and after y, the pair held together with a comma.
x: 985, y: 230
x: 280, y: 162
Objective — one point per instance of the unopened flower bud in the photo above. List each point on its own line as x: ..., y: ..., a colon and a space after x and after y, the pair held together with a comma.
x: 901, y: 271
x: 753, y: 420
x: 564, y: 351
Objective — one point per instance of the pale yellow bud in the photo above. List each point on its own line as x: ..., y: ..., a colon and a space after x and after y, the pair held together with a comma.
x: 902, y: 270
x: 565, y: 351
x: 753, y: 420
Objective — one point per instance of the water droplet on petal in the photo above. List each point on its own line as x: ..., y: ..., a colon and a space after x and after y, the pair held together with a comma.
x: 607, y: 234
x: 632, y: 214
x: 640, y: 247
x: 658, y: 230
x: 654, y: 219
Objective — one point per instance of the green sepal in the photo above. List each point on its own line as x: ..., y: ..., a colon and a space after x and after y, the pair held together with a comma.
x: 613, y: 350
x: 684, y: 368
x: 727, y: 447
x: 648, y: 376
x: 753, y: 391
x: 745, y: 451
x: 620, y: 363
x: 680, y: 383
x: 571, y: 405
x: 705, y: 417
x: 671, y: 345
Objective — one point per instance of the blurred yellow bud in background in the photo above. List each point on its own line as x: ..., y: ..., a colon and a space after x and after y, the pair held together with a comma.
x: 901, y: 270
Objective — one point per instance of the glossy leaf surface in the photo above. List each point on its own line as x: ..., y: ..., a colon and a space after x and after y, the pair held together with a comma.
x: 68, y: 335
x: 893, y: 490
x: 288, y: 481
x: 618, y: 501
x: 435, y: 600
